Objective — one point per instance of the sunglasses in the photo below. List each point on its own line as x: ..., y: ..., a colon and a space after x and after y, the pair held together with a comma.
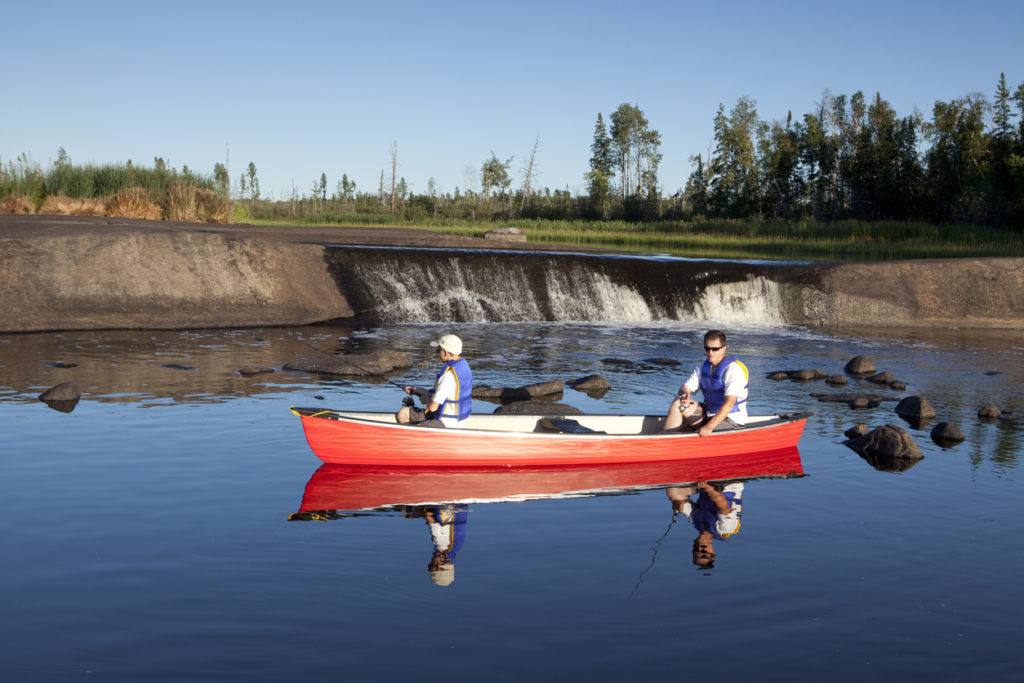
x: 713, y: 348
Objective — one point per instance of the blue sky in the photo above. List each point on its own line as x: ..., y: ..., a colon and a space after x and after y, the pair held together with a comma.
x: 316, y: 87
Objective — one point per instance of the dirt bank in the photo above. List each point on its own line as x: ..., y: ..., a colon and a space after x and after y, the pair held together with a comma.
x: 86, y: 272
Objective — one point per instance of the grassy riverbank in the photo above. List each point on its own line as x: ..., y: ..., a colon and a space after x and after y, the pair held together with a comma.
x: 837, y: 241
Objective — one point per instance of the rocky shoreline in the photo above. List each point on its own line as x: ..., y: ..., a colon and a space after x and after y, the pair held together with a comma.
x: 86, y: 272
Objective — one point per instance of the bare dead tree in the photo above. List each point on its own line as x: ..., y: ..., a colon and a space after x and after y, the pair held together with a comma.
x: 529, y: 174
x: 394, y: 171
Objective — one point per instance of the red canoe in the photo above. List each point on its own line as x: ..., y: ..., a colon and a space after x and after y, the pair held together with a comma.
x: 365, y: 438
x: 354, y: 487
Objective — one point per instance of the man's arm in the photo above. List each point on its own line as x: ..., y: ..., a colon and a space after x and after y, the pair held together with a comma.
x: 718, y: 417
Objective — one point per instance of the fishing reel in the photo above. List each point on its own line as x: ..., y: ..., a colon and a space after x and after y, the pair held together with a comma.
x: 408, y: 401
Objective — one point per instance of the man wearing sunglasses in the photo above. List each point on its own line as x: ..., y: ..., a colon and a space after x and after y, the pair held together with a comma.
x: 722, y: 381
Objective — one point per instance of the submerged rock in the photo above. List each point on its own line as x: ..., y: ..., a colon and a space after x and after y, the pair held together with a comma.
x: 885, y: 444
x: 62, y: 398
x: 250, y: 370
x: 353, y: 364
x: 617, y: 361
x: 859, y: 429
x: 590, y: 383
x: 915, y: 407
x: 853, y: 400
x: 536, y: 408
x: 860, y: 365
x: 836, y: 380
x: 65, y: 391
x: 989, y: 412
x: 946, y: 434
x: 523, y: 393
x: 882, y: 378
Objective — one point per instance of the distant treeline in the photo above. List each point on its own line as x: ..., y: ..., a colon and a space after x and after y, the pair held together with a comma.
x: 850, y: 159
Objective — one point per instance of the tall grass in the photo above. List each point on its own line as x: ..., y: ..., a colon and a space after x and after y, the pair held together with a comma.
x: 112, y: 189
x: 775, y: 240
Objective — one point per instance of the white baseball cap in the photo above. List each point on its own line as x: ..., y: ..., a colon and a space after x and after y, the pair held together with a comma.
x: 449, y: 343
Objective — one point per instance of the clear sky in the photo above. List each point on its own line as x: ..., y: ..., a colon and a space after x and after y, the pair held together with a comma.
x: 304, y: 88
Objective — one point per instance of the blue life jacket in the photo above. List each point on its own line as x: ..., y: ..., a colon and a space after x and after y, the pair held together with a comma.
x: 704, y: 514
x: 712, y: 385
x: 462, y: 408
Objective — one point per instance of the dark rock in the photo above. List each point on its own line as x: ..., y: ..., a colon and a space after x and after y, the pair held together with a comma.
x: 989, y: 412
x: 250, y: 370
x: 509, y: 234
x: 62, y: 398
x: 836, y: 380
x: 993, y: 372
x: 62, y: 364
x: 806, y: 374
x: 544, y: 388
x: 536, y: 408
x: 859, y: 429
x: 354, y: 365
x: 881, y: 378
x: 524, y: 393
x: 946, y: 433
x: 65, y: 391
x: 872, y: 399
x: 886, y: 443
x: 590, y: 383
x: 778, y: 374
x: 178, y: 366
x: 860, y: 365
x: 915, y: 407
x: 897, y: 385
x: 663, y: 361
x: 617, y: 361
x: 499, y: 393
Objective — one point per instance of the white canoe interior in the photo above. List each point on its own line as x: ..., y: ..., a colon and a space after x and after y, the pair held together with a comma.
x: 577, y: 424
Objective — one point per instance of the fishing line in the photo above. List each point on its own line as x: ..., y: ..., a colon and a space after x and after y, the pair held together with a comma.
x: 654, y: 554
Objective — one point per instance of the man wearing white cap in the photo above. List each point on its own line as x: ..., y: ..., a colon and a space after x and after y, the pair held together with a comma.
x: 451, y: 401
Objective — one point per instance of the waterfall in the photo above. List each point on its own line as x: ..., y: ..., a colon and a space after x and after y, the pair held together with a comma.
x: 428, y: 285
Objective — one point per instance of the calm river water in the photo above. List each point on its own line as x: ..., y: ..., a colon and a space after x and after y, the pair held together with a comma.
x: 147, y: 532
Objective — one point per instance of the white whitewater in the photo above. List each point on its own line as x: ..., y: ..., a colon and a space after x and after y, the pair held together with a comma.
x: 548, y: 288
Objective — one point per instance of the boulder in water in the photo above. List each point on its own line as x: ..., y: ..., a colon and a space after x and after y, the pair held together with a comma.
x: 536, y: 408
x: 860, y: 365
x: 946, y: 434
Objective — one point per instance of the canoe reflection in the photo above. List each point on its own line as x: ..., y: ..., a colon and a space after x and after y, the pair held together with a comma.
x: 354, y: 488
x: 441, y: 496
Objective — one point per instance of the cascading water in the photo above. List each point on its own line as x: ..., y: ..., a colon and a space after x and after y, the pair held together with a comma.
x: 426, y: 285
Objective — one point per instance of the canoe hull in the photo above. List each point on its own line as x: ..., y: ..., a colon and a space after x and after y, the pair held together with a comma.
x: 339, y: 440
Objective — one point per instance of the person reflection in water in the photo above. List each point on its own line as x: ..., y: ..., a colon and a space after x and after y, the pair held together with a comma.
x: 447, y: 525
x: 715, y: 514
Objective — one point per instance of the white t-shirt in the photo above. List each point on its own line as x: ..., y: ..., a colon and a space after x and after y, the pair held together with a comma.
x: 736, y: 381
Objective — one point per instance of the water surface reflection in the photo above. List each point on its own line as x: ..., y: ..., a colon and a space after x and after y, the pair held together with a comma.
x: 443, y: 496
